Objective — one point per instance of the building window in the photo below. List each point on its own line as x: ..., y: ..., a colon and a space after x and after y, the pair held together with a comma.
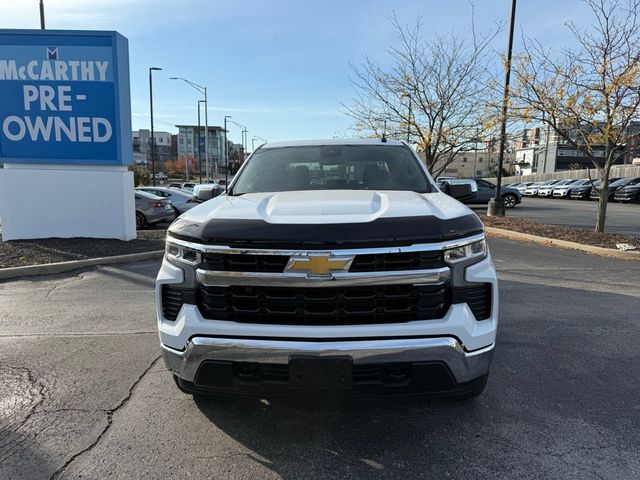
x: 464, y: 160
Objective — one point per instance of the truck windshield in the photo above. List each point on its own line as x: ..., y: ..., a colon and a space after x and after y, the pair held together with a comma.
x: 332, y: 167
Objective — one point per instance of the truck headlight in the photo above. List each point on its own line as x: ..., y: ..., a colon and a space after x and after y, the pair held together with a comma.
x: 466, y: 252
x: 182, y: 254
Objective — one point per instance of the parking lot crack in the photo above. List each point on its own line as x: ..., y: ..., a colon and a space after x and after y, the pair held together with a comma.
x: 110, y: 413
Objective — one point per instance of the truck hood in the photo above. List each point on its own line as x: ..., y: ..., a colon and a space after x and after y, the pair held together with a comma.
x: 327, y: 217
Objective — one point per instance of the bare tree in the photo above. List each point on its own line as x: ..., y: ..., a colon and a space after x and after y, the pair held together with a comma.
x: 435, y: 94
x: 588, y: 95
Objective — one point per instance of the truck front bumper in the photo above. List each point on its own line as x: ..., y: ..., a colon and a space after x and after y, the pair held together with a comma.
x: 438, y: 364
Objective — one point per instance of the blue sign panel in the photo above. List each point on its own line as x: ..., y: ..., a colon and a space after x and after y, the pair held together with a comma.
x: 64, y: 98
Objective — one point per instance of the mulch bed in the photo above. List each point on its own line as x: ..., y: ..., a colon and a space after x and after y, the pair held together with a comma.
x: 17, y: 253
x: 559, y: 232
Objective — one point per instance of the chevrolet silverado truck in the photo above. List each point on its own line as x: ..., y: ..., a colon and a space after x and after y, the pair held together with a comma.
x: 329, y: 267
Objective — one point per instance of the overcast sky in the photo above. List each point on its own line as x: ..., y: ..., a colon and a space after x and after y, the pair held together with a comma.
x: 280, y: 67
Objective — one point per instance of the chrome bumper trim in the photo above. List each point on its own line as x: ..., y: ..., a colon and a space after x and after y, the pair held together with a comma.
x: 336, y: 279
x: 464, y: 366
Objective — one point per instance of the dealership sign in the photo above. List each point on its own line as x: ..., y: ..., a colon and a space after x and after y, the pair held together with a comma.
x: 64, y: 98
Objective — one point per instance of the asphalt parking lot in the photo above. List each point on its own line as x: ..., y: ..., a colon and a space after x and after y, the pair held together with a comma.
x: 83, y: 394
x: 622, y: 218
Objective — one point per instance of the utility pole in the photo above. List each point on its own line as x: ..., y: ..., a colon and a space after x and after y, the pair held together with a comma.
x: 41, y: 14
x: 496, y: 205
x: 153, y: 140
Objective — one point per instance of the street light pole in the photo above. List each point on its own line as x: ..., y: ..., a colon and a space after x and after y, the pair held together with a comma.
x: 153, y: 140
x: 226, y: 153
x: 202, y: 90
x: 496, y: 206
x: 41, y: 14
x: 206, y: 135
x: 244, y: 143
x: 199, y: 137
x: 409, y: 122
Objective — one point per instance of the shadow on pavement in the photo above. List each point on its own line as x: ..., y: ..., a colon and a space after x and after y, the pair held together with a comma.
x: 346, y: 439
x: 32, y: 463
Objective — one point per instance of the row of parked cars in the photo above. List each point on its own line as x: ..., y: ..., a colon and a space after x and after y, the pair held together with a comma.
x: 161, y: 204
x: 625, y: 189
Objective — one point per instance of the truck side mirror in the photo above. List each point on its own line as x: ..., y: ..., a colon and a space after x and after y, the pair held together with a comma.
x: 204, y: 194
x: 461, y: 189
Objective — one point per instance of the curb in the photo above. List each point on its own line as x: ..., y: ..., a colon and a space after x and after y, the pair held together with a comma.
x: 60, y: 267
x: 552, y: 242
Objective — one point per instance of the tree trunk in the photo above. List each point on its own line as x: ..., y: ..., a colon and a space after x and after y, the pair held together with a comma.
x: 603, y: 200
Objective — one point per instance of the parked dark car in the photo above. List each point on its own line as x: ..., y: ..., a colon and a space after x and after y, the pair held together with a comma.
x: 584, y: 191
x: 629, y: 193
x: 487, y: 191
x: 613, y: 188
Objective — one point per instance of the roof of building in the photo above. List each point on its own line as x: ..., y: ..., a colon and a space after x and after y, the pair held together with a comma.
x: 210, y: 127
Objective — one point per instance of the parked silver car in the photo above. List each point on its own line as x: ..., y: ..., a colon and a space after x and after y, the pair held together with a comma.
x: 181, y: 201
x: 152, y: 209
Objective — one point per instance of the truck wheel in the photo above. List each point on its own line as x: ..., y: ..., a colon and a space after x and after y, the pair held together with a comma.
x: 475, y: 389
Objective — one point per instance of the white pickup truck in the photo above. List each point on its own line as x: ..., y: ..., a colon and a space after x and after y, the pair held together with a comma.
x: 329, y: 268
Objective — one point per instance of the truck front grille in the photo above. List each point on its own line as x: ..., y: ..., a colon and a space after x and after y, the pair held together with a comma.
x: 379, y: 262
x: 222, y: 262
x: 387, y: 262
x: 324, y: 306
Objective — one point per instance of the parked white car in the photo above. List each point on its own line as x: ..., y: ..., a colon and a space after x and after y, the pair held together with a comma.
x: 563, y: 191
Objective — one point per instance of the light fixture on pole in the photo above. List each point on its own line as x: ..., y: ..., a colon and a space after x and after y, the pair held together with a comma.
x: 496, y: 205
x: 253, y: 139
x: 153, y: 140
x: 203, y: 91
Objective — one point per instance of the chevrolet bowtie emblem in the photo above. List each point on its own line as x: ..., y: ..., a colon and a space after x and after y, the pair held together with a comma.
x: 319, y: 265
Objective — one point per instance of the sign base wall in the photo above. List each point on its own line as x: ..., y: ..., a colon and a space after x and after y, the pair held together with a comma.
x: 56, y: 201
